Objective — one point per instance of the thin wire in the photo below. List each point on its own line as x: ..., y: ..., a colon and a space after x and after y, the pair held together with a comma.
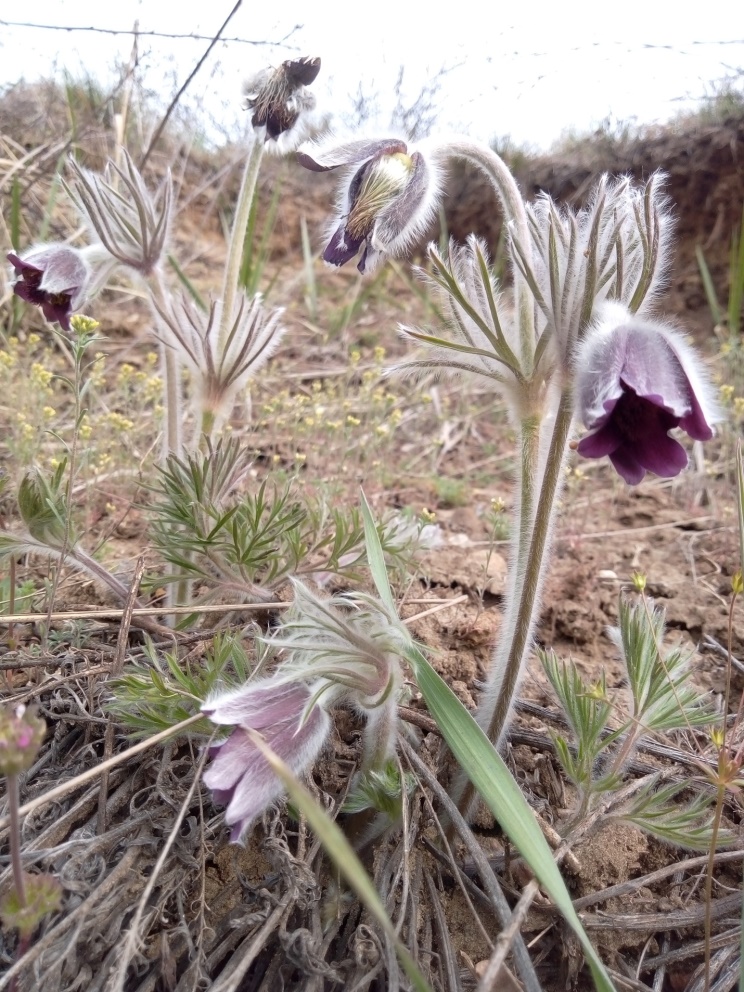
x: 147, y: 34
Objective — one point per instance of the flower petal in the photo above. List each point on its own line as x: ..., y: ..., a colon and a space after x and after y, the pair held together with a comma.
x: 241, y: 776
x: 627, y: 466
x: 302, y: 71
x: 660, y: 454
x: 395, y: 219
x: 342, y: 247
x: 329, y: 155
x: 259, y: 704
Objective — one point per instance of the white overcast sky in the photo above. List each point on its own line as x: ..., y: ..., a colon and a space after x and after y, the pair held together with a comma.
x: 530, y: 71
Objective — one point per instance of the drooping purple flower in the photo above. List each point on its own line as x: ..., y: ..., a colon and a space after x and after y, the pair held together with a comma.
x: 279, y: 99
x: 54, y: 277
x: 636, y: 381
x: 239, y: 775
x: 385, y: 203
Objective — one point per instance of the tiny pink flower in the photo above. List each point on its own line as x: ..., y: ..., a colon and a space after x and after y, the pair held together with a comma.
x: 293, y: 726
x: 386, y: 201
x: 54, y: 277
x: 636, y: 381
x: 21, y: 735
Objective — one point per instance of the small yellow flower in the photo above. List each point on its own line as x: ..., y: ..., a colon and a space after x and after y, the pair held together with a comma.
x: 151, y: 358
x: 639, y: 581
x: 300, y: 457
x: 33, y: 339
x: 49, y: 412
x: 353, y: 421
x: 379, y: 354
x: 428, y: 516
x: 40, y: 374
x: 355, y: 357
x: 82, y: 324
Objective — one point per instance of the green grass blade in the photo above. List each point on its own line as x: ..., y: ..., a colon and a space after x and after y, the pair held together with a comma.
x: 740, y: 500
x: 343, y: 856
x: 187, y: 283
x: 736, y: 276
x: 376, y: 558
x: 486, y: 770
x: 741, y: 943
x: 15, y: 215
x: 311, y: 287
x: 710, y: 290
x: 51, y: 199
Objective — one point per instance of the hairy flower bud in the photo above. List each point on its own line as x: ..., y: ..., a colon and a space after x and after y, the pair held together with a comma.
x: 54, y: 277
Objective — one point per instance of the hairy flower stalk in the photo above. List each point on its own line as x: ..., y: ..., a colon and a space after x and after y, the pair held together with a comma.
x: 219, y: 376
x: 340, y: 652
x: 280, y: 103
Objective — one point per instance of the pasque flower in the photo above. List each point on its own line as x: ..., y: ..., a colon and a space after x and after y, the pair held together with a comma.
x: 386, y: 202
x: 342, y: 651
x: 292, y: 726
x: 279, y: 98
x: 54, y: 277
x: 636, y: 381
